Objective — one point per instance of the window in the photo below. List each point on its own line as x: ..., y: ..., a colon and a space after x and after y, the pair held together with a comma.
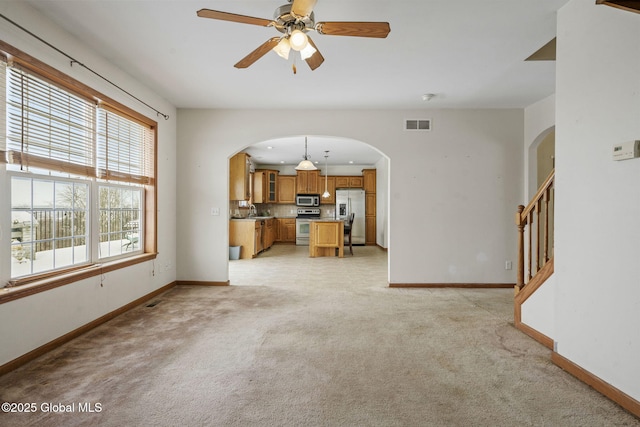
x: 48, y: 224
x: 82, y: 173
x: 119, y: 220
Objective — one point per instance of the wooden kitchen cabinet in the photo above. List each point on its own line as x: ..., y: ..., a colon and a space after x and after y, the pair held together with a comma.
x: 307, y: 182
x: 258, y: 237
x: 325, y: 236
x: 248, y: 235
x: 286, y: 192
x: 287, y: 230
x: 331, y: 188
x: 369, y: 230
x: 254, y: 236
x: 342, y: 182
x: 272, y: 186
x: 239, y: 177
x: 356, y: 182
x: 258, y: 187
x: 269, y: 232
x: 349, y: 182
x: 370, y: 204
x: 276, y: 230
x: 265, y: 188
x: 369, y: 179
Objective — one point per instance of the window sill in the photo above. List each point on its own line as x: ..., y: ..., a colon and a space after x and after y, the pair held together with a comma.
x: 35, y: 287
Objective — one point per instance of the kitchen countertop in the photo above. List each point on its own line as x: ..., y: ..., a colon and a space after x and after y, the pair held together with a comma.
x: 253, y: 218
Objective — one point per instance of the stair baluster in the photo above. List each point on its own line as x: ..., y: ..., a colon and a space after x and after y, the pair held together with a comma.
x: 537, y: 214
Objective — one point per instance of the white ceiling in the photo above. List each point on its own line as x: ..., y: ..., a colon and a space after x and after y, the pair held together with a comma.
x: 469, y: 53
x: 290, y: 150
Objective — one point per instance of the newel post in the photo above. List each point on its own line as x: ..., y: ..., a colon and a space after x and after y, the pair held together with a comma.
x: 520, y: 223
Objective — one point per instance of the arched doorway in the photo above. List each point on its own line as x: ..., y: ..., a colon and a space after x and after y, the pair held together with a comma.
x: 346, y: 157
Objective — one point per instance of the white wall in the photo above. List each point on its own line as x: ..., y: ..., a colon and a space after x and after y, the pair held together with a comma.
x: 452, y: 191
x: 28, y: 323
x: 538, y: 311
x: 598, y: 200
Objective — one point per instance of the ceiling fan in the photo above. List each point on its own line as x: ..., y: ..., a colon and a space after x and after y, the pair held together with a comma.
x: 294, y: 20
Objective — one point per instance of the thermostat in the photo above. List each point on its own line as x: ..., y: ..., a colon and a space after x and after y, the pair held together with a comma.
x: 626, y: 150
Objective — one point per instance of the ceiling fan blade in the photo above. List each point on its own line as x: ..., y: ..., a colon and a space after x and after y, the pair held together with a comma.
x: 357, y: 29
x: 226, y: 16
x: 628, y: 5
x: 258, y: 53
x: 316, y: 59
x: 303, y: 7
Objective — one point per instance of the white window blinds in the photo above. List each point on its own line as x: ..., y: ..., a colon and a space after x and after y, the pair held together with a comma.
x: 53, y: 129
x: 48, y: 127
x: 125, y: 149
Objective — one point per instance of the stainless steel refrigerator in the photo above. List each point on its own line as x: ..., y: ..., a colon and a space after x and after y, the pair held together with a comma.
x: 352, y: 200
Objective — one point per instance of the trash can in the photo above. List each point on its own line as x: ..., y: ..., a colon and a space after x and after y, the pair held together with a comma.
x: 234, y: 252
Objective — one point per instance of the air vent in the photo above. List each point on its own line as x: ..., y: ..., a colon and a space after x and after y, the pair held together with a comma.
x: 417, y: 124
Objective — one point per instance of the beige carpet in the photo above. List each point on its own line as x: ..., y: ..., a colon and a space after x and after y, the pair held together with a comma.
x: 309, y: 342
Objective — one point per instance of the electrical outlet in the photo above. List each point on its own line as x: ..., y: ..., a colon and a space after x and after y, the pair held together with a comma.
x: 215, y: 211
x: 508, y: 265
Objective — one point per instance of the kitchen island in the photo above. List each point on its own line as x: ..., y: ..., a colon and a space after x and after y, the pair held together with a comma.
x: 252, y: 234
x: 325, y: 236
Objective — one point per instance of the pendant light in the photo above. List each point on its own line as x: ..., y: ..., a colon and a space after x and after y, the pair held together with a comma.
x: 306, y: 165
x: 326, y: 176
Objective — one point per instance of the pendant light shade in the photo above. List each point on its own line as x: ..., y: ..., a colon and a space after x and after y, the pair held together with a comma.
x: 326, y: 176
x: 307, y: 52
x: 298, y: 40
x: 282, y: 48
x: 305, y: 164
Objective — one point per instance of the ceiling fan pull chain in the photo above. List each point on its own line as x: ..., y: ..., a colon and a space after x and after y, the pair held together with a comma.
x: 295, y: 70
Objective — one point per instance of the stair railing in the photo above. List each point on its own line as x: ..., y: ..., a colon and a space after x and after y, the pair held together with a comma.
x: 535, y: 248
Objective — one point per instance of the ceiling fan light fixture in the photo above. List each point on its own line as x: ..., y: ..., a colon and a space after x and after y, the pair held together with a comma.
x: 298, y: 40
x: 307, y: 52
x: 282, y: 48
x: 294, y: 20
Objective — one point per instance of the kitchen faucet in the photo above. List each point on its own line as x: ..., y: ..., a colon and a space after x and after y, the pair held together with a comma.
x: 252, y: 210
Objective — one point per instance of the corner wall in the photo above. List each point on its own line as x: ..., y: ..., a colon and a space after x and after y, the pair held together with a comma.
x: 597, y: 199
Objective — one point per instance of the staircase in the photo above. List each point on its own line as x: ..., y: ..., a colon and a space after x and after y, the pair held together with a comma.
x: 535, y: 251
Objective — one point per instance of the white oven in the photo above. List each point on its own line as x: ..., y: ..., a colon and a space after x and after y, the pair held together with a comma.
x: 302, y: 231
x: 303, y: 224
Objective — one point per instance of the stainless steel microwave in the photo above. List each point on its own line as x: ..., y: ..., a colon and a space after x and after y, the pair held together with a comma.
x: 308, y: 200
